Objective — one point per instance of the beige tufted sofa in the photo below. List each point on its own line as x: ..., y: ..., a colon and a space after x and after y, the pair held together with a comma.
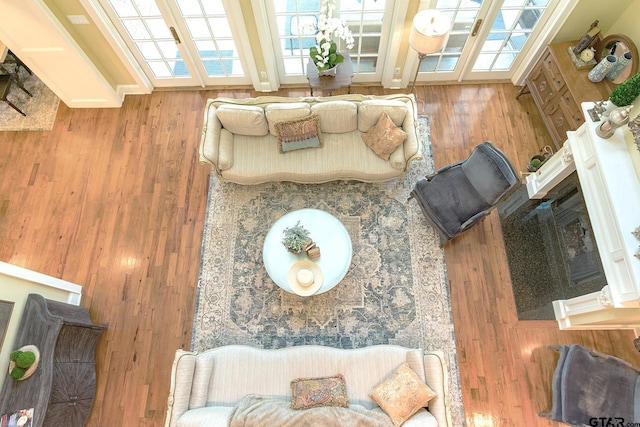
x: 206, y: 386
x: 239, y: 139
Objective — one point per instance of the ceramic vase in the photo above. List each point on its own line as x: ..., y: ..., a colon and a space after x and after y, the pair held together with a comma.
x: 330, y: 72
x: 621, y: 63
x: 599, y: 72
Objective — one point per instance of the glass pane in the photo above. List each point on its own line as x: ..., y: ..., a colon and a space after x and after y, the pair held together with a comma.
x: 529, y: 19
x: 492, y: 45
x: 159, y: 69
x: 484, y: 62
x: 448, y: 63
x: 213, y: 7
x: 293, y: 66
x: 136, y: 29
x: 429, y: 64
x: 370, y: 45
x: 516, y: 41
x: 123, y: 8
x: 217, y: 68
x: 367, y: 65
x: 198, y: 28
x: 237, y: 68
x: 147, y: 8
x: 158, y: 28
x: 220, y: 27
x: 227, y: 48
x: 206, y: 46
x: 189, y: 7
x: 148, y: 50
x: 493, y: 37
x: 179, y: 69
x: 506, y: 20
x: 371, y: 5
x: 449, y: 4
x: 169, y: 49
x: 504, y: 61
x: 456, y: 43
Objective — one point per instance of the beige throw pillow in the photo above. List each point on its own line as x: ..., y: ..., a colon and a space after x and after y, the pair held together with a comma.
x: 402, y: 394
x: 384, y: 137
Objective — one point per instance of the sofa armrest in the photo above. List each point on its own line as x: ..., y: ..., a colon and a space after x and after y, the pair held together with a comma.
x: 210, y: 138
x: 412, y: 149
x: 182, y: 371
x: 435, y: 369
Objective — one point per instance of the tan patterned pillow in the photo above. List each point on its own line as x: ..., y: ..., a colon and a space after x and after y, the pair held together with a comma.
x: 299, y: 133
x: 312, y: 392
x: 402, y: 394
x: 384, y: 137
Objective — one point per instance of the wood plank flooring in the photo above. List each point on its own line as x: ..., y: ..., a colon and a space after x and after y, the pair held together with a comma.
x: 114, y: 200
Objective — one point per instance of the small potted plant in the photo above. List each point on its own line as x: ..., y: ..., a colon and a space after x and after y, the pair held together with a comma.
x: 627, y: 92
x: 23, y: 362
x: 296, y: 238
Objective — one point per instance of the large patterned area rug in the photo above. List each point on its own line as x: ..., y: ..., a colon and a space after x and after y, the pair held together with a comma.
x: 396, y: 291
x: 40, y: 109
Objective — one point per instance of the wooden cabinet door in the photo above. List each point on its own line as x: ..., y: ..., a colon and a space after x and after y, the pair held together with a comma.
x: 540, y: 85
x: 558, y: 123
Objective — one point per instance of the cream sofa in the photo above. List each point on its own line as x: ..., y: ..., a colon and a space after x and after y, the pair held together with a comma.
x: 206, y: 386
x: 240, y: 142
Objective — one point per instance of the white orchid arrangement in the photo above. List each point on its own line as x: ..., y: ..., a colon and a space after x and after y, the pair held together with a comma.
x: 325, y: 54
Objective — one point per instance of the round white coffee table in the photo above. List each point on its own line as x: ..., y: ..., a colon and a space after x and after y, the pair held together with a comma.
x: 329, y: 235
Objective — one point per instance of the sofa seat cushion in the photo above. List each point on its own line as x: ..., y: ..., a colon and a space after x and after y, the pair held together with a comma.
x: 243, y: 119
x: 208, y: 416
x: 343, y: 155
x: 422, y: 418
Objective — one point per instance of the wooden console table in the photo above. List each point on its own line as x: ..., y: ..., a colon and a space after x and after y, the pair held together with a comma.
x: 559, y: 89
x: 62, y: 389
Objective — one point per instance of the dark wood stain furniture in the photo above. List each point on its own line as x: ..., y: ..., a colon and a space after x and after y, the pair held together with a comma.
x: 343, y: 77
x: 62, y: 389
x: 558, y: 89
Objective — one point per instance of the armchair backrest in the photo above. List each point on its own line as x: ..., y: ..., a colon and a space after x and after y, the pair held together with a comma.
x: 490, y: 172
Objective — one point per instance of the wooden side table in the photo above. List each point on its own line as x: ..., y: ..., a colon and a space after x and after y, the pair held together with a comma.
x: 328, y: 84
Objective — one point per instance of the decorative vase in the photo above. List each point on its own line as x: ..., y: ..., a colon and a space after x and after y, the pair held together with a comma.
x: 617, y: 118
x: 599, y: 72
x: 329, y: 72
x: 621, y: 63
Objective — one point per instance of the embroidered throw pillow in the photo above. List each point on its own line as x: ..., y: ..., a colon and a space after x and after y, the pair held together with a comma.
x: 402, y: 394
x: 299, y: 133
x: 312, y: 392
x: 384, y: 137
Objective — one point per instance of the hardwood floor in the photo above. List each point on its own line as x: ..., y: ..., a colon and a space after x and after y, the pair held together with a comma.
x: 114, y: 200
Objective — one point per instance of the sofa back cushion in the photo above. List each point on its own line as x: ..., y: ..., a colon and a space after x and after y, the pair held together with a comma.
x: 280, y: 112
x: 243, y: 119
x: 337, y: 116
x: 239, y: 370
x: 369, y: 112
